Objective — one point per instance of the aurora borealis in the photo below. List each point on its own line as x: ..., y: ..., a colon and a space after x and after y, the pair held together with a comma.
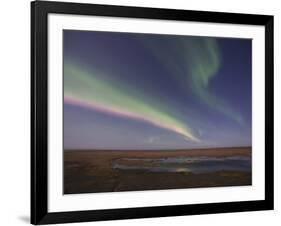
x: 149, y: 91
x: 83, y: 89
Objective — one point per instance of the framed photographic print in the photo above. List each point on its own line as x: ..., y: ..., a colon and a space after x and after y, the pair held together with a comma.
x: 145, y: 112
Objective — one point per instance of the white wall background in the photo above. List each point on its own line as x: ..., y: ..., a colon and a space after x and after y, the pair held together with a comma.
x: 15, y: 113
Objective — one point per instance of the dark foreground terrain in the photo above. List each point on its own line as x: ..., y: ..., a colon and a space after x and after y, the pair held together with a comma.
x: 108, y: 171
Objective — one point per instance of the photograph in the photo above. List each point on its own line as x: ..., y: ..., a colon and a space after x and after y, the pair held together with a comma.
x: 140, y: 112
x: 145, y: 111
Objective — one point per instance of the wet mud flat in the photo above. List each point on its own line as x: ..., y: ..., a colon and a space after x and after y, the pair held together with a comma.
x: 88, y: 171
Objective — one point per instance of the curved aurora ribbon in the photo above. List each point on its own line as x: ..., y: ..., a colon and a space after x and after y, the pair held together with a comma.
x: 194, y: 61
x: 204, y: 66
x: 84, y: 88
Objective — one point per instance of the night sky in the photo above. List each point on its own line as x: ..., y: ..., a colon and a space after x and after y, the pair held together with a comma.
x: 149, y: 91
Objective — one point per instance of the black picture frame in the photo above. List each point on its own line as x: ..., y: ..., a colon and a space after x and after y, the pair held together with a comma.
x: 39, y: 112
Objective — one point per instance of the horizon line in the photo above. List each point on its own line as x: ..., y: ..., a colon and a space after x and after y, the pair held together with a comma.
x: 157, y: 149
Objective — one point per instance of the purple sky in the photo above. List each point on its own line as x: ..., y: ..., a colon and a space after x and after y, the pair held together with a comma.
x: 147, y: 91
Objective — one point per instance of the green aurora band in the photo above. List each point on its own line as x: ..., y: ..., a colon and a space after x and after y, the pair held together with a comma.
x: 204, y: 66
x: 194, y: 62
x: 89, y: 89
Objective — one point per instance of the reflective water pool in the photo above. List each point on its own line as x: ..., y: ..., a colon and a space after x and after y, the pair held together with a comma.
x: 202, y: 164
